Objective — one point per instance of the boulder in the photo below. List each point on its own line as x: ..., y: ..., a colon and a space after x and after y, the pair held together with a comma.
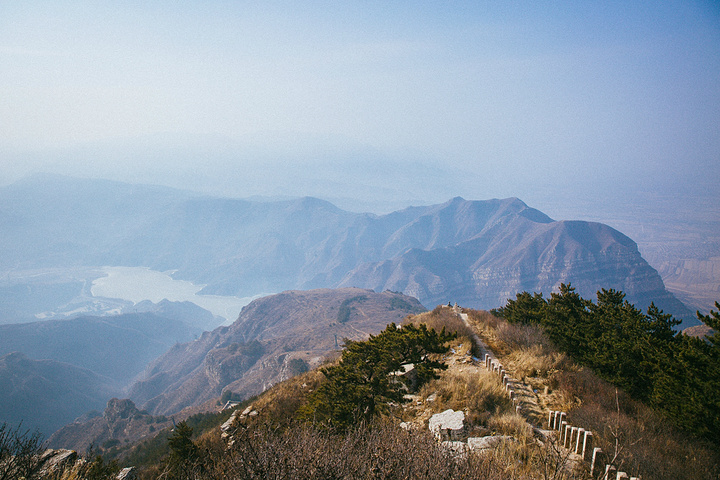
x: 127, y: 474
x: 55, y: 461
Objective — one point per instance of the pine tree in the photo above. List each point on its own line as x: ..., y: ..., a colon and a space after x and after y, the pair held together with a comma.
x: 366, y: 380
x: 641, y: 352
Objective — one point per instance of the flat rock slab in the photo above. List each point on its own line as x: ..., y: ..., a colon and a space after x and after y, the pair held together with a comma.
x: 454, y: 448
x: 448, y: 424
x: 485, y: 443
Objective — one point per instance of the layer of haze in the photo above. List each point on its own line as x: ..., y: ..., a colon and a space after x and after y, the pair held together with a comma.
x: 375, y: 105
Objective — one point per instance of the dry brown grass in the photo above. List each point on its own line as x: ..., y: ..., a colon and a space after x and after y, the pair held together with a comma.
x: 486, y: 325
x: 645, y: 443
x: 511, y: 424
x: 480, y: 396
x: 279, y: 404
x: 535, y: 361
x: 272, y: 448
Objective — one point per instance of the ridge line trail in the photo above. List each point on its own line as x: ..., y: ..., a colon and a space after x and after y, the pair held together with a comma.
x: 530, y: 407
x: 484, y: 349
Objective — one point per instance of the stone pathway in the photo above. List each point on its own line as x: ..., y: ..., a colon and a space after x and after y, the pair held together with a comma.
x: 529, y: 406
x: 527, y: 399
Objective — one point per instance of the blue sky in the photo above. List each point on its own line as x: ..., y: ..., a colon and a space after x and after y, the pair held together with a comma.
x: 400, y: 101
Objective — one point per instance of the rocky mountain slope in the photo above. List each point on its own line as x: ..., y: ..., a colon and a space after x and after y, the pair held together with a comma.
x: 273, y: 339
x: 478, y: 253
x: 520, y: 254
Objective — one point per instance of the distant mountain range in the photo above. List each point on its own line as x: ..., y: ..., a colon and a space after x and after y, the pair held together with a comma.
x: 116, y: 347
x: 44, y: 395
x: 53, y: 371
x: 478, y: 253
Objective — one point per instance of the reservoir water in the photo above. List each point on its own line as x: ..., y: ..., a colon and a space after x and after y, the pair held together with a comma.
x: 136, y: 284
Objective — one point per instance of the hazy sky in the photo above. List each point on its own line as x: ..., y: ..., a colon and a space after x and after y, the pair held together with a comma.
x: 485, y: 99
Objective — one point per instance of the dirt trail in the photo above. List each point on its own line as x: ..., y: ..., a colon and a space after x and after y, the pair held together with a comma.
x: 528, y: 400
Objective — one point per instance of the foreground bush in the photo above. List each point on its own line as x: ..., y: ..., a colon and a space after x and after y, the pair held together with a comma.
x: 20, y: 453
x: 379, y: 450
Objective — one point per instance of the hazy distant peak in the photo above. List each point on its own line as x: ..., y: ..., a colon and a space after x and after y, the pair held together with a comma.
x: 52, y: 187
x: 314, y: 203
x: 601, y: 235
x: 480, y: 251
x: 465, y: 210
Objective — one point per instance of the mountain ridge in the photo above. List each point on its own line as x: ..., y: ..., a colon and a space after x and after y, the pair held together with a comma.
x: 243, y: 248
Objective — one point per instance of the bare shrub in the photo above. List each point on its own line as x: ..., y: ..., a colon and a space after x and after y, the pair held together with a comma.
x: 20, y: 452
x: 520, y: 336
x: 636, y: 439
x: 583, y: 383
x: 380, y: 451
x: 528, y: 458
x: 550, y: 461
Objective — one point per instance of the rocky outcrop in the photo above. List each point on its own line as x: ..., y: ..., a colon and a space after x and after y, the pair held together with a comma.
x: 56, y: 461
x: 118, y: 410
x: 226, y: 364
x: 121, y: 422
x: 488, y: 442
x: 127, y: 473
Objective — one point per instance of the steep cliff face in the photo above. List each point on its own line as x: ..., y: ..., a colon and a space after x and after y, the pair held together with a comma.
x: 274, y: 338
x: 226, y: 364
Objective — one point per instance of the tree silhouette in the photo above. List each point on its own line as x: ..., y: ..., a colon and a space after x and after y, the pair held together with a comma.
x: 181, y: 444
